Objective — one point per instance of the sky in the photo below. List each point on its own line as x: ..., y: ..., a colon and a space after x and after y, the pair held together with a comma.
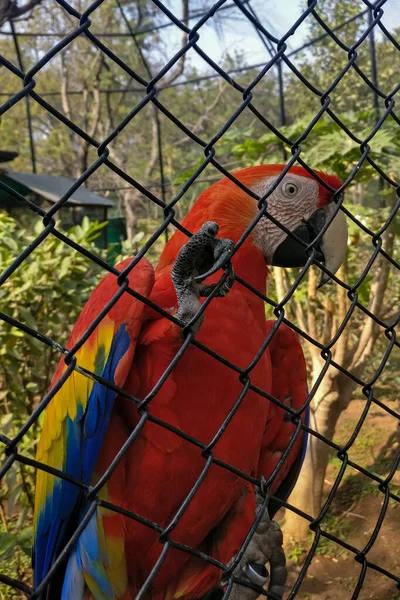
x: 236, y: 34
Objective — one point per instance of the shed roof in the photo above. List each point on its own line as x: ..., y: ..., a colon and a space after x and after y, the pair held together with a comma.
x: 52, y: 188
x: 7, y: 155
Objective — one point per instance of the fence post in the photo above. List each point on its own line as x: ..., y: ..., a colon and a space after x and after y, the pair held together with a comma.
x: 374, y: 70
x: 374, y: 78
x: 281, y: 103
x: 268, y: 46
x: 28, y: 108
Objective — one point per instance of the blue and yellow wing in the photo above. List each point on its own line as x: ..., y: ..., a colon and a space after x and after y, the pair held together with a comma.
x: 76, y: 421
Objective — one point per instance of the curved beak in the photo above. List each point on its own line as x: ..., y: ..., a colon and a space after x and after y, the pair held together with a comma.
x: 331, y: 250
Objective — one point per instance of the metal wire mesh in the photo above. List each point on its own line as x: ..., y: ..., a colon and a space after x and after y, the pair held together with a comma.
x: 149, y: 87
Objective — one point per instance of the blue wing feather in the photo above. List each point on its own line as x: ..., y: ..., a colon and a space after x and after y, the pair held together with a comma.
x: 74, y: 427
x: 84, y: 437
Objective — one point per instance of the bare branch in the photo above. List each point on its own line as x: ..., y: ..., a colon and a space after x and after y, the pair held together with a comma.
x: 341, y: 346
x: 96, y: 106
x: 377, y: 293
x: 64, y: 87
x: 312, y: 303
x: 65, y: 103
x: 151, y: 163
x: 9, y: 9
x: 180, y: 65
x: 329, y: 319
x: 282, y: 287
x: 202, y: 122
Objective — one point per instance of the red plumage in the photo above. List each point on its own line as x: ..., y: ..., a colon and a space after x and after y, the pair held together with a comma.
x: 160, y: 468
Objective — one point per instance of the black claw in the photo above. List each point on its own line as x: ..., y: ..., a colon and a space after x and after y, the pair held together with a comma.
x: 257, y: 573
x: 202, y: 251
x: 206, y: 290
x: 193, y: 252
x: 219, y: 263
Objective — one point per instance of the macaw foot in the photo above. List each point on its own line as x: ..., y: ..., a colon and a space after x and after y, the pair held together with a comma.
x: 199, y: 258
x: 265, y: 546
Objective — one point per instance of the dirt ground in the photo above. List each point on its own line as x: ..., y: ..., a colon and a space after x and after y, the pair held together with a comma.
x: 333, y: 573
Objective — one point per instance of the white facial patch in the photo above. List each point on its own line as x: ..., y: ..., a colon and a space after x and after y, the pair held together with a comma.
x: 294, y: 200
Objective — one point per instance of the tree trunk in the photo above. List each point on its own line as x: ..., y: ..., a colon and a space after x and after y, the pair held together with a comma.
x: 332, y: 397
x: 307, y: 495
x: 130, y: 202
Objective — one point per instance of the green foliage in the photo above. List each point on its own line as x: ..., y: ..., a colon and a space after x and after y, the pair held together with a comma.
x: 295, y: 553
x: 17, y: 565
x: 327, y: 148
x: 335, y: 525
x: 9, y: 542
x: 46, y: 294
x: 131, y: 247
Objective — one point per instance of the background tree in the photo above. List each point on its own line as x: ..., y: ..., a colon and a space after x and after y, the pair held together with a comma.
x: 97, y: 95
x: 11, y: 9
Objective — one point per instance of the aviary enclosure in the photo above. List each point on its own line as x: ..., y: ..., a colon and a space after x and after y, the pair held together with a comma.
x: 87, y: 92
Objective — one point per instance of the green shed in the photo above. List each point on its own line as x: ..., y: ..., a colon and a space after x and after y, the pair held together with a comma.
x: 46, y: 190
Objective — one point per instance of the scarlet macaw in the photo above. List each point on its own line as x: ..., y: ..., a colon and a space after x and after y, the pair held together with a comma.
x: 86, y: 423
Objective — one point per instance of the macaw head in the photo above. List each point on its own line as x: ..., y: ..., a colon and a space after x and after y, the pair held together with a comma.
x: 304, y: 207
x: 299, y: 202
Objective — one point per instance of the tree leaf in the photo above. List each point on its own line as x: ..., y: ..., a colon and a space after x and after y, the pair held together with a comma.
x: 24, y: 540
x: 13, y: 498
x: 8, y: 542
x: 6, y: 420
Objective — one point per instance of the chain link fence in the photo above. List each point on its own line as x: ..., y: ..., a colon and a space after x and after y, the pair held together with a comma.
x: 280, y: 60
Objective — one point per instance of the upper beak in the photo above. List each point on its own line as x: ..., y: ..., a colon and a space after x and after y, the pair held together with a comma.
x: 331, y: 249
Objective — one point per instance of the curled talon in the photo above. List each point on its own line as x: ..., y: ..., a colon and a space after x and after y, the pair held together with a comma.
x: 257, y: 573
x: 202, y: 256
x: 265, y: 546
x: 226, y: 248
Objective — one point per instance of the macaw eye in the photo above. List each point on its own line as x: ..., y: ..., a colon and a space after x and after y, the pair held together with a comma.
x: 290, y: 190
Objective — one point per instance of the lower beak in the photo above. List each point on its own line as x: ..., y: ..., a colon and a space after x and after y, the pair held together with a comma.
x: 331, y: 249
